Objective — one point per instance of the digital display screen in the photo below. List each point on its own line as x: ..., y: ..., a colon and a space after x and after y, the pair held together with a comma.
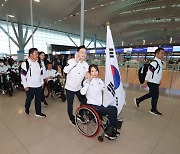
x: 168, y: 48
x: 139, y: 50
x: 100, y: 51
x: 151, y: 49
x: 176, y: 48
x: 127, y: 50
x: 119, y: 50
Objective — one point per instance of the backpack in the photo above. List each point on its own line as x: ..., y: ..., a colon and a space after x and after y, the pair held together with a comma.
x: 143, y: 71
x: 27, y: 66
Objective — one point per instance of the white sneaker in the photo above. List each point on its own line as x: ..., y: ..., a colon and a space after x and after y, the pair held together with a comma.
x: 3, y: 92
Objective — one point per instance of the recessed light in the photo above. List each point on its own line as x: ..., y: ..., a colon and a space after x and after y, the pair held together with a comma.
x: 2, y: 5
x: 65, y: 18
x: 59, y: 20
x: 102, y: 5
x: 37, y: 1
x: 92, y: 8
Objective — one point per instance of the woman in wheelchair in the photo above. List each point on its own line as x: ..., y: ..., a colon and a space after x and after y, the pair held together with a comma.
x: 50, y: 77
x: 93, y: 88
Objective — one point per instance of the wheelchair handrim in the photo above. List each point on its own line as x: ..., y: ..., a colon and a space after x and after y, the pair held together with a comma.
x: 95, y: 115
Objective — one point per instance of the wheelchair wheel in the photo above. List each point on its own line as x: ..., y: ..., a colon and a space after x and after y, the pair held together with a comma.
x: 46, y: 90
x: 91, y: 124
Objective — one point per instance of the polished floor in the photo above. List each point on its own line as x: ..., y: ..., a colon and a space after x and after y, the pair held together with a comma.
x: 142, y: 133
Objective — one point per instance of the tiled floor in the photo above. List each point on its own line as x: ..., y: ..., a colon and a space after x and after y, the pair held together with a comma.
x: 142, y: 133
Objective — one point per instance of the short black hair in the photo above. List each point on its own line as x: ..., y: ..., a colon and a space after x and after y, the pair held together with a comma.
x: 81, y: 47
x: 158, y: 50
x: 91, y: 66
x: 31, y: 51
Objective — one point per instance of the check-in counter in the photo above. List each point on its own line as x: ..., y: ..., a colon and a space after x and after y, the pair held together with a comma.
x: 170, y: 78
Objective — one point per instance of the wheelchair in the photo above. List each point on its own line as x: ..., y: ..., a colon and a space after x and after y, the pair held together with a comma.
x: 58, y: 89
x: 93, y: 122
x: 16, y: 80
x: 6, y: 84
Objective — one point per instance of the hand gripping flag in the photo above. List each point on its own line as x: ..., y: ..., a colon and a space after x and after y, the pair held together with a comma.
x: 114, y: 92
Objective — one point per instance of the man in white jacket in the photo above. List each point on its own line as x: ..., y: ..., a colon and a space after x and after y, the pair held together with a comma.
x: 76, y: 69
x: 32, y: 80
x: 152, y: 80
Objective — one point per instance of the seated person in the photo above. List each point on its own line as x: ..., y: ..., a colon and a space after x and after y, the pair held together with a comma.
x: 93, y: 88
x: 3, y: 73
x: 50, y: 77
x: 6, y: 65
x: 15, y: 73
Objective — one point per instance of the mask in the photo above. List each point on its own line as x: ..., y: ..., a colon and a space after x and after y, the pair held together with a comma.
x: 1, y: 64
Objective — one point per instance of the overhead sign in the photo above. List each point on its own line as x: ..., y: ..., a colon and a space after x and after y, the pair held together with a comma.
x: 176, y: 48
x: 119, y: 50
x: 151, y: 49
x: 168, y: 48
x: 139, y: 50
x: 129, y: 50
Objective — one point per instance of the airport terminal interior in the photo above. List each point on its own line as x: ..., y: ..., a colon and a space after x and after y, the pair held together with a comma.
x: 58, y: 28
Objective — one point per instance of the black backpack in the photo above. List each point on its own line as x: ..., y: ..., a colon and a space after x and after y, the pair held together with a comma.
x: 143, y: 71
x: 27, y: 66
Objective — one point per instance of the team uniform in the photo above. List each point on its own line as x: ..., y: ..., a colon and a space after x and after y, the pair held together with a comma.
x: 93, y: 91
x: 33, y: 79
x: 153, y: 78
x: 75, y: 74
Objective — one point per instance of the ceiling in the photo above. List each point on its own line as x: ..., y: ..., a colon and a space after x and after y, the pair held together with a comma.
x: 131, y: 21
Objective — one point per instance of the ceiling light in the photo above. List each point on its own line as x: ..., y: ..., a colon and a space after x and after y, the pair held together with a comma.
x: 92, y: 8
x: 2, y: 5
x: 5, y: 0
x: 65, y: 18
x: 102, y: 5
x: 59, y: 20
x: 85, y: 10
x: 11, y: 16
x: 37, y: 1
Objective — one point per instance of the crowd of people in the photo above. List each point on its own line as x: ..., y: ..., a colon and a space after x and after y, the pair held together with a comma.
x: 81, y: 80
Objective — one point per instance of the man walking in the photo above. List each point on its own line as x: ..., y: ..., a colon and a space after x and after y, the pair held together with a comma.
x: 152, y: 80
x: 32, y: 80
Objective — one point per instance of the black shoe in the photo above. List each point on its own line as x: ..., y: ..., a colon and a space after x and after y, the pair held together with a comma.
x: 27, y: 111
x: 116, y: 132
x: 136, y: 102
x: 81, y: 119
x: 72, y: 122
x: 110, y: 134
x: 157, y: 113
x: 45, y: 103
x: 40, y: 115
